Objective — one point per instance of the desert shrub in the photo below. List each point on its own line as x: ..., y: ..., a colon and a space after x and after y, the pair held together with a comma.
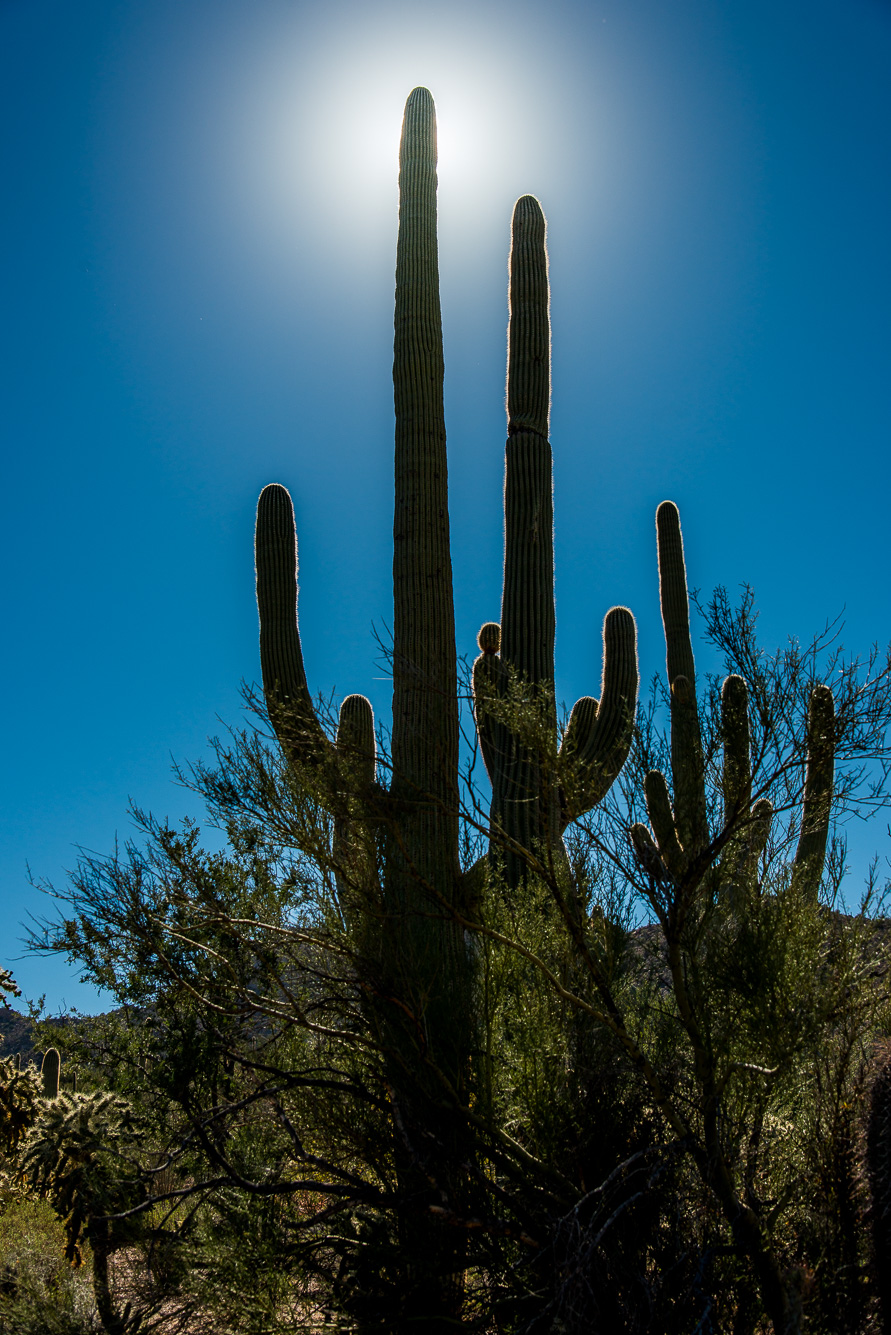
x: 40, y: 1293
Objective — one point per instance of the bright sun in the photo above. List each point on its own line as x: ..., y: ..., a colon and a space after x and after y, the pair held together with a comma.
x: 319, y: 147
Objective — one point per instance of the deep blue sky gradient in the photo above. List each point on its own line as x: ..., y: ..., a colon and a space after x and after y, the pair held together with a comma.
x: 198, y: 248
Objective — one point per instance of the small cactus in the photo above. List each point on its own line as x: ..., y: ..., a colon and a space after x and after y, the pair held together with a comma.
x: 51, y: 1073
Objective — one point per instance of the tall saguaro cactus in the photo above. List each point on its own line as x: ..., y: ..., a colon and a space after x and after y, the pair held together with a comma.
x: 423, y: 854
x: 413, y: 945
x: 530, y: 806
x: 679, y: 845
x: 425, y: 700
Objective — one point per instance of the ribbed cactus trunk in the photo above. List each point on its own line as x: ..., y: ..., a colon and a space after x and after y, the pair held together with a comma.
x: 424, y: 959
x: 527, y: 604
x: 527, y: 800
x: 425, y: 702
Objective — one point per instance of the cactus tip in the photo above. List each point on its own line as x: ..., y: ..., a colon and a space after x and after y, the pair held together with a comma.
x: 667, y: 510
x: 274, y: 502
x: 620, y: 619
x: 489, y: 638
x: 528, y: 207
x: 680, y: 690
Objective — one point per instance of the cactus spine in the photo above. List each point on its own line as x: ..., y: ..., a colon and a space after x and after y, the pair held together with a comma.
x: 530, y: 806
x: 679, y: 846
x: 51, y: 1073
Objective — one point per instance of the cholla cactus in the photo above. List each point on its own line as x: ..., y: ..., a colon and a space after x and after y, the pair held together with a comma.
x: 679, y: 846
x: 21, y: 1093
x: 8, y: 987
x: 80, y: 1154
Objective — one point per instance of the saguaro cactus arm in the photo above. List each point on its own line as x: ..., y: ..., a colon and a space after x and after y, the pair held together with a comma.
x: 355, y: 740
x: 749, y: 825
x: 527, y: 602
x: 686, y: 739
x: 489, y: 680
x: 291, y: 710
x: 737, y: 772
x: 524, y: 795
x: 355, y: 796
x: 662, y: 820
x: 598, y: 735
x: 281, y: 658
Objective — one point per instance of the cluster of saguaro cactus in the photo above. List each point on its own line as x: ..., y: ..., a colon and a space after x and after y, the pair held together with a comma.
x: 530, y: 805
x: 679, y: 847
x: 413, y: 936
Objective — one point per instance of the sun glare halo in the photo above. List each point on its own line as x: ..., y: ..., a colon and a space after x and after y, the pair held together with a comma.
x: 317, y: 151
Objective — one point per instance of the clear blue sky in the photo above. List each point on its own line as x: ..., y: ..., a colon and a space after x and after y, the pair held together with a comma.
x: 198, y: 244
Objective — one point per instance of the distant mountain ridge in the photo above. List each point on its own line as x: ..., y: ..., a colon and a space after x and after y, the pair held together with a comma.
x: 16, y: 1034
x: 19, y: 1034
